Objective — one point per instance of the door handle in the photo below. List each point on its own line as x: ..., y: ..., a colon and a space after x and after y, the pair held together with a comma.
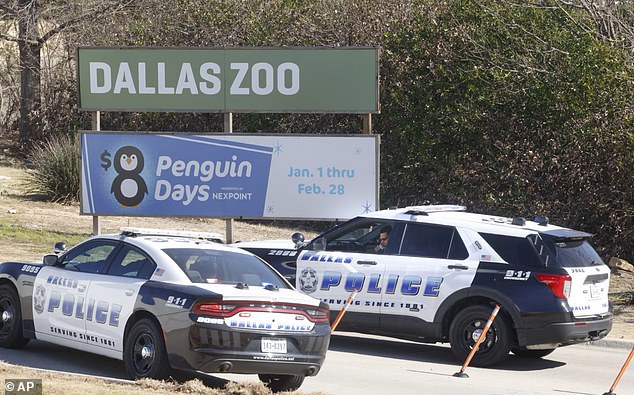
x: 366, y: 262
x: 129, y: 292
x: 458, y: 267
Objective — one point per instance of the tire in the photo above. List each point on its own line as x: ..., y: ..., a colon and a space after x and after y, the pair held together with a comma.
x: 281, y: 382
x: 11, y: 334
x: 144, y: 352
x: 523, y: 353
x: 467, y: 326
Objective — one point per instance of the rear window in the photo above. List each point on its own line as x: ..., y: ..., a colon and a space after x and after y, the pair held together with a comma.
x: 514, y: 250
x: 573, y: 253
x: 224, y: 267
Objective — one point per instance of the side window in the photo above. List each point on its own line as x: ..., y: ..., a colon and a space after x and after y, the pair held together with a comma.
x: 514, y: 250
x: 433, y: 241
x: 89, y: 258
x: 366, y: 237
x: 130, y: 262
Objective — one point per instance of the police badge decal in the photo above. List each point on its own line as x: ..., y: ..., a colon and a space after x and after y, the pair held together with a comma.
x: 308, y: 280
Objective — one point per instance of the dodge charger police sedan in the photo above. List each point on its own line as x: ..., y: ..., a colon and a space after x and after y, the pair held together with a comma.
x: 163, y: 300
x: 435, y: 274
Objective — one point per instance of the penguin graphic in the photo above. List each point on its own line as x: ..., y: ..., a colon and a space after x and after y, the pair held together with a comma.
x: 128, y: 186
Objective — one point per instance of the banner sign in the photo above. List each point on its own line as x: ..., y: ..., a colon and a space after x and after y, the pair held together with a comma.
x: 228, y: 175
x: 341, y: 80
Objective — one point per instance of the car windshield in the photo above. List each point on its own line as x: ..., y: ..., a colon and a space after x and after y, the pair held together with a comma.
x: 224, y: 267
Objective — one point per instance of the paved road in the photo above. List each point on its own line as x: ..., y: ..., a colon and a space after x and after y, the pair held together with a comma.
x: 367, y: 365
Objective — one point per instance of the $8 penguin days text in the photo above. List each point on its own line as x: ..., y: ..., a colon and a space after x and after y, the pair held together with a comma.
x: 204, y: 171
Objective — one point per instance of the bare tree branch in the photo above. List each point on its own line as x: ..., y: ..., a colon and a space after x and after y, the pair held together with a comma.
x: 8, y: 10
x: 8, y: 37
x: 104, y: 9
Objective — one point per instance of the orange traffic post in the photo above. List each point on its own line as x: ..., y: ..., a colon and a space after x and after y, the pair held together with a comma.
x: 618, y: 377
x: 343, y: 310
x: 494, y: 313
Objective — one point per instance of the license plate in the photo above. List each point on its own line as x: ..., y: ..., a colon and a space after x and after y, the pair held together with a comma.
x: 273, y: 345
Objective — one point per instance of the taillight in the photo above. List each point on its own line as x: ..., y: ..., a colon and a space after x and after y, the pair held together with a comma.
x: 559, y: 284
x: 318, y: 315
x: 228, y: 309
x: 216, y: 309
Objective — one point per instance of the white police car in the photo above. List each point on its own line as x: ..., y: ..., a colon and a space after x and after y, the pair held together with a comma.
x: 159, y: 300
x: 443, y: 270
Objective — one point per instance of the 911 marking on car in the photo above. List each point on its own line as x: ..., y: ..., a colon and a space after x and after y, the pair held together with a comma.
x: 517, y: 275
x: 175, y: 301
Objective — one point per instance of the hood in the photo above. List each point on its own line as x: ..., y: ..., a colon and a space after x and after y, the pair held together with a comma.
x: 273, y: 244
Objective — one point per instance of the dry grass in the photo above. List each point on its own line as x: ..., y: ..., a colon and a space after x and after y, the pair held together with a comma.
x: 65, y: 384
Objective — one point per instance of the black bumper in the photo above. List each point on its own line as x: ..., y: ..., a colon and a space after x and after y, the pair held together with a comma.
x: 565, y: 333
x: 216, y: 349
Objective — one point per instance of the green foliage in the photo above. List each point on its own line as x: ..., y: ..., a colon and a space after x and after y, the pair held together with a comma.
x: 54, y: 170
x: 511, y: 109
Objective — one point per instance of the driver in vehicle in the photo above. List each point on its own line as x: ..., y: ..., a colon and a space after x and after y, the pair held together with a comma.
x: 384, y: 236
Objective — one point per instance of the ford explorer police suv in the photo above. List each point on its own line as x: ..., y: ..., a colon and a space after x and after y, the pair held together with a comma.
x: 438, y: 273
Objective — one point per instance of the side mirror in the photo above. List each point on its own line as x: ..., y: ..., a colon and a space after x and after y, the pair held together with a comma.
x: 60, y: 247
x: 50, y: 260
x: 319, y: 244
x: 298, y: 239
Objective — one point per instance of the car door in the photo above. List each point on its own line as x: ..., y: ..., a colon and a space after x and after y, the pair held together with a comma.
x: 61, y: 304
x: 343, y: 262
x: 113, y: 295
x: 431, y: 264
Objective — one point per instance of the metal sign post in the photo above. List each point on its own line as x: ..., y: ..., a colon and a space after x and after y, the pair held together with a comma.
x: 96, y: 125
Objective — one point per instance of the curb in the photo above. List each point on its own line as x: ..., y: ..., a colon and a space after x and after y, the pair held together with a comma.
x: 612, y: 343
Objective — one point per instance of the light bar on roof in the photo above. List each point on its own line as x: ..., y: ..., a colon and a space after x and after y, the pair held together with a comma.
x: 178, y: 233
x: 435, y: 208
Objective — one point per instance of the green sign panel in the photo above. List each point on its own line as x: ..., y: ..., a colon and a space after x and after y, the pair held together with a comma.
x: 342, y: 80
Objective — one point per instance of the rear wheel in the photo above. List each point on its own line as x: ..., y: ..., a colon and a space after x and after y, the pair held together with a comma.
x: 523, y: 353
x: 144, y: 353
x: 11, y: 335
x: 466, y: 329
x: 281, y: 382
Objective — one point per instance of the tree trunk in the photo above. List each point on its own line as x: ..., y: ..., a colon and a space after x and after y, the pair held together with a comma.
x: 30, y: 99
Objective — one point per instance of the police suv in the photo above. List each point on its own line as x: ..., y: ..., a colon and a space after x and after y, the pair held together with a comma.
x: 435, y: 274
x: 160, y: 300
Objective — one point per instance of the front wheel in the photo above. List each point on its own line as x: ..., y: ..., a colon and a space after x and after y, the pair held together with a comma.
x: 465, y: 330
x: 281, y: 382
x: 11, y: 335
x: 144, y: 352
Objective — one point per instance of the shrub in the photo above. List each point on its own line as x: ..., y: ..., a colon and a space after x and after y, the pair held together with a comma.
x: 54, y: 170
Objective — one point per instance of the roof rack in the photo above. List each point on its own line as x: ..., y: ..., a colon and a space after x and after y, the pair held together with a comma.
x: 134, y: 232
x: 433, y: 208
